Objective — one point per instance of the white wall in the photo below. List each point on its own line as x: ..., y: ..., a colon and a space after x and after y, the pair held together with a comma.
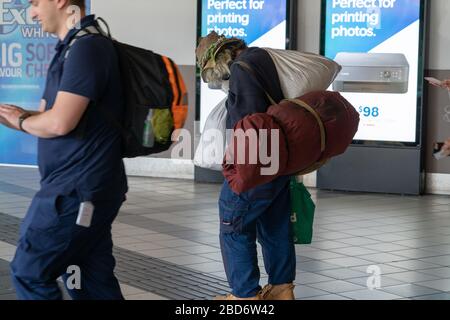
x: 308, y: 25
x: 164, y: 26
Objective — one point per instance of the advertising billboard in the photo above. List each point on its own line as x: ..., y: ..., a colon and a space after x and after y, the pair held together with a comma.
x: 260, y: 23
x: 25, y: 54
x: 379, y: 45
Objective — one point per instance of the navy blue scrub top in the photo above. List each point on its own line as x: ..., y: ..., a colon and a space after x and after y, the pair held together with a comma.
x: 90, y: 165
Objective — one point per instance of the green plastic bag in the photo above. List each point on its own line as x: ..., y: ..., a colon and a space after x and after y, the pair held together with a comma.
x: 162, y: 123
x: 303, y: 209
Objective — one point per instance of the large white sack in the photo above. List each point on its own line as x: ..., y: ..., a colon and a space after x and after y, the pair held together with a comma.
x: 302, y: 72
x: 211, y: 147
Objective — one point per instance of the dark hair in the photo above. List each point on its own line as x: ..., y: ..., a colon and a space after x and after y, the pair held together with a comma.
x: 79, y: 3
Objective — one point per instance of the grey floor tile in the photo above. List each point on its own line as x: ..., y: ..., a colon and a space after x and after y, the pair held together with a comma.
x: 412, y: 276
x: 413, y: 265
x: 384, y: 280
x: 187, y: 260
x: 385, y: 247
x: 410, y: 290
x: 343, y: 273
x: 415, y: 243
x: 332, y: 297
x: 354, y: 251
x: 383, y: 257
x: 8, y: 297
x: 328, y: 245
x: 438, y: 272
x: 348, y: 262
x: 315, y: 265
x: 362, y: 232
x: 387, y: 237
x: 385, y: 269
x: 370, y: 295
x: 337, y: 286
x: 302, y: 291
x: 441, y: 249
x: 416, y: 253
x: 327, y: 235
x: 208, y: 267
x: 441, y: 284
x: 359, y: 241
x: 309, y: 277
x: 321, y: 254
x: 163, y: 253
x: 177, y: 220
x: 439, y: 296
x: 440, y: 260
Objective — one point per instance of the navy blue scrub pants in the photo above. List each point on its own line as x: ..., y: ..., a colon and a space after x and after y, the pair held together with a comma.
x: 262, y: 213
x: 50, y: 242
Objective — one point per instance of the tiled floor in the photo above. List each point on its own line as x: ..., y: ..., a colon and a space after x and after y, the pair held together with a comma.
x: 166, y: 242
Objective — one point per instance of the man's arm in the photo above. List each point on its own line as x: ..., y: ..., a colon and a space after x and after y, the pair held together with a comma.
x: 246, y: 96
x: 446, y: 84
x: 85, y: 76
x: 62, y: 119
x: 42, y: 106
x: 32, y: 112
x: 446, y: 148
x: 58, y: 121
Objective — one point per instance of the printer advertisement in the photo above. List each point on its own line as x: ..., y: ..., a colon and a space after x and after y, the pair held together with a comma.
x: 377, y: 44
x: 25, y: 54
x: 261, y: 23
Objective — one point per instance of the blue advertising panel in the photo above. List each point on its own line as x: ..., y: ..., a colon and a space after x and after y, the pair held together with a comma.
x: 260, y: 23
x: 379, y: 44
x: 25, y: 54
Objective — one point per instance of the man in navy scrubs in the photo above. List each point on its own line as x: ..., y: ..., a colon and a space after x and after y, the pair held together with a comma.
x: 83, y: 181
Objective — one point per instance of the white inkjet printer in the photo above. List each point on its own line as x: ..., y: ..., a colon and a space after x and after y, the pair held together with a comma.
x: 372, y: 73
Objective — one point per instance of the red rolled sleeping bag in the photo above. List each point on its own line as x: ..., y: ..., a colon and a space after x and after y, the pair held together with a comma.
x: 243, y: 174
x: 315, y: 127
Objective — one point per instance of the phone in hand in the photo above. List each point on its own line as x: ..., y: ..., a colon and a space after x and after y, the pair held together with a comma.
x: 437, y: 151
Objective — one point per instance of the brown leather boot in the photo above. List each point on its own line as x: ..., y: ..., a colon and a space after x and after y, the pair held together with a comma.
x: 278, y: 292
x: 231, y: 297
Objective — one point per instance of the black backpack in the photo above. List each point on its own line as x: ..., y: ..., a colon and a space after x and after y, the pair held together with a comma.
x: 150, y: 82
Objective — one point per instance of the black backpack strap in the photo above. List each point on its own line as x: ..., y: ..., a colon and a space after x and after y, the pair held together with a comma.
x: 93, y: 29
x: 247, y: 67
x: 80, y: 34
x: 96, y: 30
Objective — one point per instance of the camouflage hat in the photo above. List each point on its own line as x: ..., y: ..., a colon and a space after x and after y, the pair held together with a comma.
x: 209, y: 46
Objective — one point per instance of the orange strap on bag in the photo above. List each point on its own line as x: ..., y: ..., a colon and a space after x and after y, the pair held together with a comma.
x: 180, y: 96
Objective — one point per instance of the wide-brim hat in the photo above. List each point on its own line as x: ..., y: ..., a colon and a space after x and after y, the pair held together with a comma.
x: 208, y: 48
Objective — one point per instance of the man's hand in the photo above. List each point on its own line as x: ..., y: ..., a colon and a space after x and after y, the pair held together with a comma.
x: 446, y: 148
x: 9, y: 115
x: 446, y: 84
x: 3, y: 121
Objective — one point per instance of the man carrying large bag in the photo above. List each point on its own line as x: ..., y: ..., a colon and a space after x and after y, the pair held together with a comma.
x: 264, y: 212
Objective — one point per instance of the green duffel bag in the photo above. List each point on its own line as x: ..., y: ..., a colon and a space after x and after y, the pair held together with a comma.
x: 303, y: 209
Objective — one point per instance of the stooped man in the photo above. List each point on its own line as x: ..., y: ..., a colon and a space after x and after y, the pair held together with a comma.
x: 83, y: 181
x: 262, y: 213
